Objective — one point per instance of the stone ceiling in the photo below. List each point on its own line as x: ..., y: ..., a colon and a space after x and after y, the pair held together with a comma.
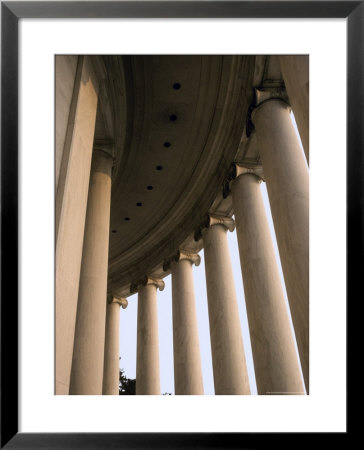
x: 176, y: 123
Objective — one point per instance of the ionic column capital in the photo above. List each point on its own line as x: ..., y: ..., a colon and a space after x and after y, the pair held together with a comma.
x: 181, y: 255
x: 105, y: 150
x: 261, y: 97
x: 104, y: 147
x: 241, y: 169
x: 214, y: 219
x: 158, y: 283
x: 227, y: 222
x: 236, y: 170
x: 146, y: 281
x: 123, y: 302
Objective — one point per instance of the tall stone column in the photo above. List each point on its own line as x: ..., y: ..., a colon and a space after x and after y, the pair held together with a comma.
x: 228, y: 357
x: 186, y: 345
x: 65, y: 71
x: 88, y: 352
x: 275, y: 360
x: 71, y: 204
x: 286, y: 175
x: 110, y: 384
x: 147, y: 370
x: 295, y: 71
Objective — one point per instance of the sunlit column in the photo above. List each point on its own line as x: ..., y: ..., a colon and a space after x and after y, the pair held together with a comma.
x: 71, y: 204
x: 228, y: 357
x: 88, y: 352
x: 186, y: 345
x: 275, y: 359
x: 65, y: 78
x: 295, y: 71
x: 286, y: 175
x: 147, y: 370
x: 110, y: 384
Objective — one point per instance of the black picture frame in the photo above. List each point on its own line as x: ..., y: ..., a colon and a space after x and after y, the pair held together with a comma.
x: 11, y: 12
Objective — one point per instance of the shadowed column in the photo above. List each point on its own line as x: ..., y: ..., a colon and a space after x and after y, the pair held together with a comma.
x: 228, y: 357
x: 286, y: 175
x: 186, y: 345
x: 295, y: 71
x: 275, y: 359
x: 88, y: 352
x: 71, y: 205
x: 110, y: 384
x: 147, y: 370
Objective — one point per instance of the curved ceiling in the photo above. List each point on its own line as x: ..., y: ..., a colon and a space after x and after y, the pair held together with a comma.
x: 176, y: 131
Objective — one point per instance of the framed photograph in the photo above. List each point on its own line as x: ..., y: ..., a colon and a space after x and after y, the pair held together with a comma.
x: 66, y: 65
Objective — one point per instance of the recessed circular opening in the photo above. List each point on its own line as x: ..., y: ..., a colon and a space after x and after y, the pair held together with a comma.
x: 176, y: 86
x: 173, y: 117
x: 167, y: 144
x: 114, y: 231
x: 139, y: 204
x: 159, y: 167
x: 126, y: 219
x: 149, y: 188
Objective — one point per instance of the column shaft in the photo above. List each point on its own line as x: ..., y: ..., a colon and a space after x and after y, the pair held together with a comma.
x: 88, y: 352
x: 228, y: 357
x: 65, y: 71
x: 286, y: 175
x: 147, y: 372
x: 275, y: 360
x: 186, y: 346
x: 295, y: 71
x: 71, y: 204
x: 112, y: 348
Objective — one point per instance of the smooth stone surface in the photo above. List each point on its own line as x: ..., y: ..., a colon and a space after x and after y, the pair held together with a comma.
x: 211, y: 108
x: 110, y: 384
x: 186, y: 345
x: 71, y: 204
x: 88, y: 353
x: 147, y: 371
x: 65, y: 72
x: 295, y: 71
x: 275, y: 358
x: 286, y: 175
x: 228, y: 357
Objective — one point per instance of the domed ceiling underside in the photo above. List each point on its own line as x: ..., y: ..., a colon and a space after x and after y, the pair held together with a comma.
x: 179, y: 131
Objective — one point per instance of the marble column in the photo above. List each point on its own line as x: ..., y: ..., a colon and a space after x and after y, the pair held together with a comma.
x: 112, y: 347
x: 71, y: 204
x: 275, y: 360
x: 147, y: 370
x: 286, y: 175
x: 186, y: 346
x: 295, y: 71
x: 65, y: 76
x: 228, y: 357
x: 88, y: 352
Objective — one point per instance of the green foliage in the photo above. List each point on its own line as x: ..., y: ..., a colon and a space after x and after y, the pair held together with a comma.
x: 126, y: 385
